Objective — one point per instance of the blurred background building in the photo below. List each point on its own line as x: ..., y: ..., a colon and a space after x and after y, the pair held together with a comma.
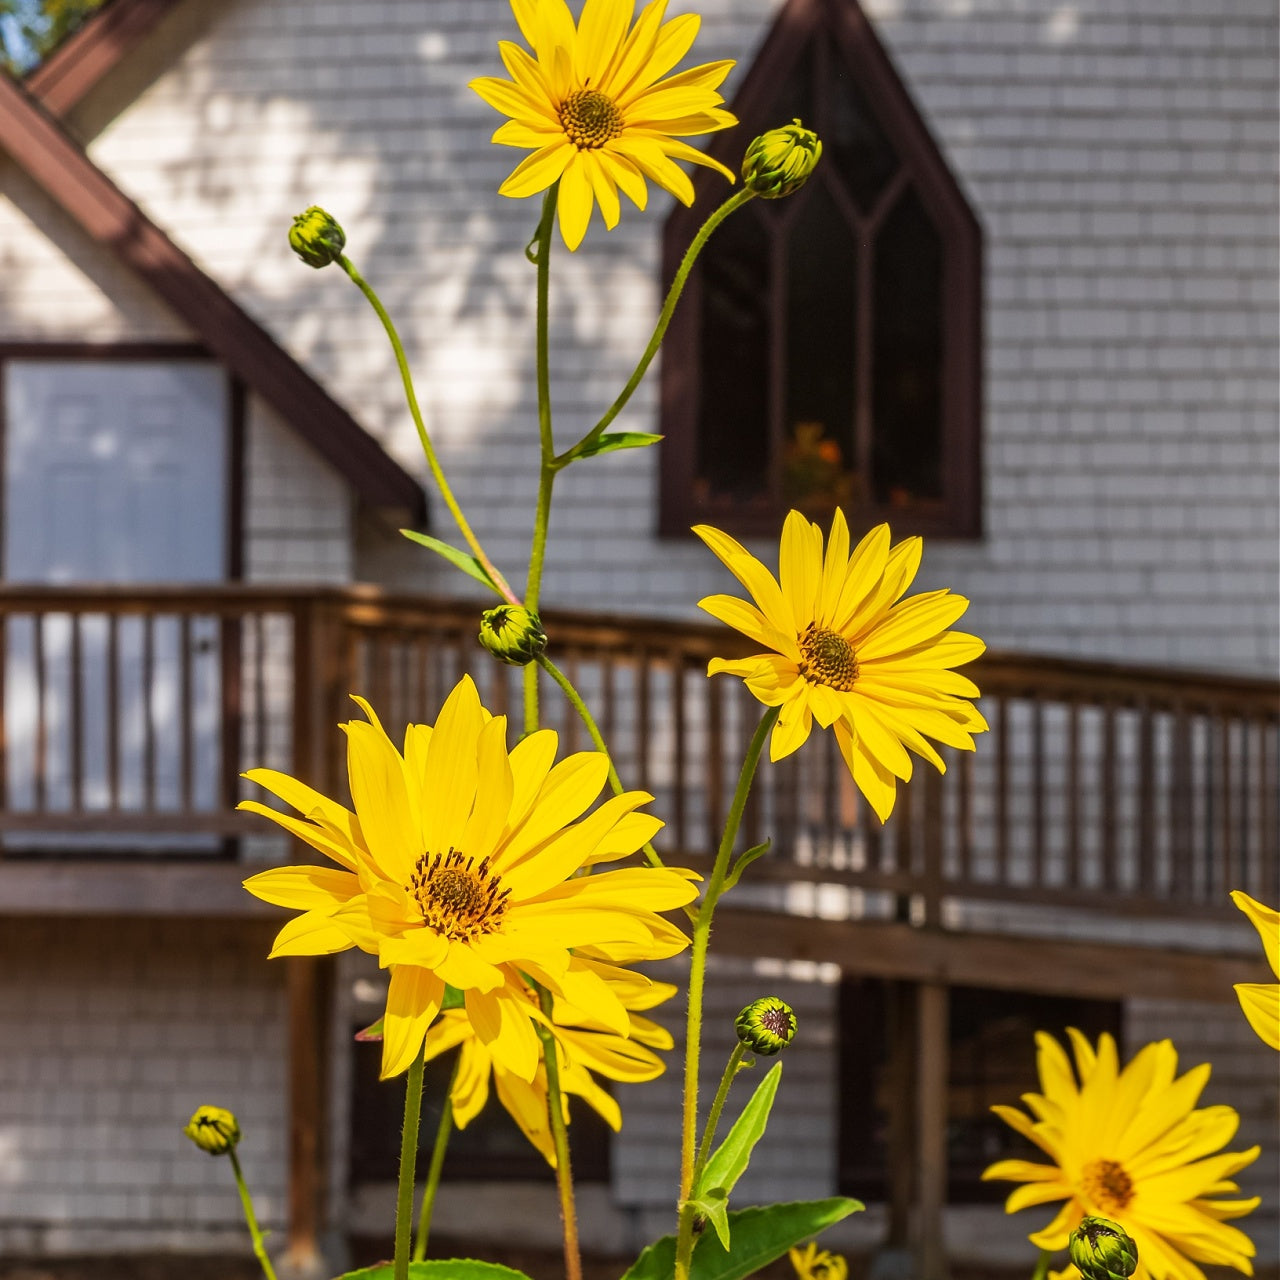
x: 1027, y: 307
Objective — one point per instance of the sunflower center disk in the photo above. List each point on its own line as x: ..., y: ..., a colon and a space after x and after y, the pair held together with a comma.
x: 590, y: 118
x: 827, y: 658
x: 1107, y: 1185
x: 459, y: 899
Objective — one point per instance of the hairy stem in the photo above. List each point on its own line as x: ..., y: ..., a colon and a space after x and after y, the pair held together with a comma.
x: 251, y: 1219
x: 717, y: 1107
x: 578, y: 703
x: 697, y: 980
x: 424, y: 437
x: 560, y: 1139
x: 408, y: 1165
x: 441, y: 1145
x: 735, y: 201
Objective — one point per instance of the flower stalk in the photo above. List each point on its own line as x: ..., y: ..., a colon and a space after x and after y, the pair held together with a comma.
x: 434, y: 1169
x: 424, y: 437
x: 251, y: 1220
x: 732, y: 1067
x: 697, y: 981
x: 734, y: 202
x: 560, y: 1139
x: 408, y: 1165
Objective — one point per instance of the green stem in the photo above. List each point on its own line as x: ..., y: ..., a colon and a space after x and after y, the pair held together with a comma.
x: 734, y: 202
x: 547, y: 471
x: 437, y: 471
x: 408, y: 1163
x: 560, y: 1139
x: 597, y: 738
x: 697, y: 978
x: 717, y: 1106
x: 255, y: 1232
x: 1042, y: 1265
x: 443, y: 1130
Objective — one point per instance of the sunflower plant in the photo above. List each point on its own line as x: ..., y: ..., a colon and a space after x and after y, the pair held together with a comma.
x: 510, y: 891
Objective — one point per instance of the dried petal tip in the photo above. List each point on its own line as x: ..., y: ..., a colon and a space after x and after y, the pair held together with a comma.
x: 316, y: 237
x: 766, y: 1026
x: 512, y: 634
x: 1100, y: 1250
x: 780, y: 161
x: 213, y: 1129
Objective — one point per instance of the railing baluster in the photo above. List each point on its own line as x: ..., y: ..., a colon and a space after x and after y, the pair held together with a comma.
x: 1037, y: 792
x: 186, y: 744
x: 113, y: 710
x: 1180, y: 807
x: 1269, y: 787
x: 1108, y: 841
x: 75, y: 736
x: 642, y: 719
x: 42, y: 713
x: 1146, y: 803
x: 1074, y: 877
x: 714, y: 781
x: 964, y: 817
x: 1222, y: 801
x: 148, y: 710
x: 1000, y: 731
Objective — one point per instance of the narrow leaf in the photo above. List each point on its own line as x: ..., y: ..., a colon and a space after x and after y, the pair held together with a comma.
x: 459, y: 559
x: 743, y: 862
x: 760, y: 1235
x: 730, y: 1161
x: 439, y: 1269
x: 713, y: 1205
x: 372, y: 1032
x: 612, y: 441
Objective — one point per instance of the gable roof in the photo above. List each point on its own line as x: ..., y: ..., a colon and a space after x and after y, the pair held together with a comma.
x: 36, y: 142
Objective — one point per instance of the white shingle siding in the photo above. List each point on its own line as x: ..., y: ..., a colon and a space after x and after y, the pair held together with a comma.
x: 1121, y: 159
x: 114, y: 1032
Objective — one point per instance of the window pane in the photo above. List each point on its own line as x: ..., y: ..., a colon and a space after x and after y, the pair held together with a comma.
x: 852, y: 140
x: 907, y: 358
x: 733, y: 419
x: 820, y: 324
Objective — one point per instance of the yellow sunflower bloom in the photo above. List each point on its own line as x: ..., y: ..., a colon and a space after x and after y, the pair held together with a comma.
x: 1261, y: 1000
x: 593, y: 107
x: 812, y: 1264
x: 582, y: 1051
x: 847, y: 652
x: 458, y: 866
x: 1131, y: 1145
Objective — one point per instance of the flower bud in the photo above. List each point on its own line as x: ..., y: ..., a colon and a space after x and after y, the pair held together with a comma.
x: 316, y: 238
x: 512, y: 634
x: 1100, y: 1250
x: 780, y: 161
x: 213, y: 1129
x: 766, y: 1026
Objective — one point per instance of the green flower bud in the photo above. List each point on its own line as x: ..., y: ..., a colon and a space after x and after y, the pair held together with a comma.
x: 316, y: 237
x: 213, y: 1129
x: 780, y: 161
x: 766, y: 1026
x: 512, y: 634
x: 1100, y: 1250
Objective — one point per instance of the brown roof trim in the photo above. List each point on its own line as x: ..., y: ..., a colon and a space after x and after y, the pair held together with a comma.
x: 42, y: 148
x: 103, y: 40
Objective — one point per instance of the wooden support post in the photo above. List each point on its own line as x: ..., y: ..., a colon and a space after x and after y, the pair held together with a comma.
x: 931, y: 1129
x: 309, y: 982
x: 900, y: 1104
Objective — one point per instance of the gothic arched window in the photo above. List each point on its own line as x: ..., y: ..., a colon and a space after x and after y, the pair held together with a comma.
x: 827, y: 350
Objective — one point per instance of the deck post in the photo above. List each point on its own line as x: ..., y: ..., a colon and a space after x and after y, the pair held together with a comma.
x: 931, y: 1129
x: 308, y: 991
x: 900, y: 1130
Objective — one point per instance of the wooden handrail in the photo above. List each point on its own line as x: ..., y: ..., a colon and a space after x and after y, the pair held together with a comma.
x: 1106, y: 786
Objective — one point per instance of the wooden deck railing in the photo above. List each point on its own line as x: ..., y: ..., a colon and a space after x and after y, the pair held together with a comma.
x: 128, y: 714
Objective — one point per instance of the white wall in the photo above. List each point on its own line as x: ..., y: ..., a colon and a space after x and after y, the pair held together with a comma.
x: 1120, y: 156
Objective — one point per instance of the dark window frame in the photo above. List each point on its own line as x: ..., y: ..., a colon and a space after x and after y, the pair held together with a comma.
x: 922, y: 168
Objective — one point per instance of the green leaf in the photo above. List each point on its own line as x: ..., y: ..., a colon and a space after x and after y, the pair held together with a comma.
x: 459, y: 559
x: 439, y: 1269
x: 612, y: 441
x: 759, y: 1236
x: 714, y: 1206
x: 743, y: 862
x: 372, y: 1032
x: 730, y: 1161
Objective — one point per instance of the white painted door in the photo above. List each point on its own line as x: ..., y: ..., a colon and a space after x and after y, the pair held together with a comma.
x: 114, y: 472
